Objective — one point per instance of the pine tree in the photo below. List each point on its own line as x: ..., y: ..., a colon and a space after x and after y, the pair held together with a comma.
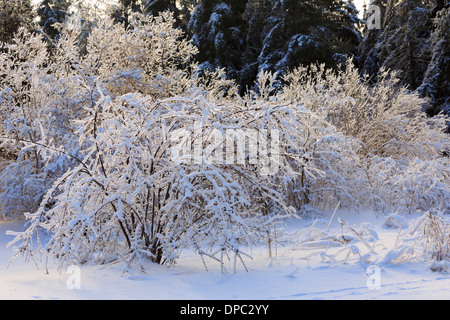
x: 436, y: 83
x: 403, y: 43
x: 278, y: 35
x: 368, y: 54
x: 181, y: 10
x: 52, y: 12
x: 13, y: 15
x: 257, y: 17
x: 304, y: 32
x: 154, y: 7
x: 218, y: 29
x: 413, y: 41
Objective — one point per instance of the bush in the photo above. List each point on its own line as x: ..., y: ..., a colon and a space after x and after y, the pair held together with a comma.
x: 120, y: 149
x: 428, y: 240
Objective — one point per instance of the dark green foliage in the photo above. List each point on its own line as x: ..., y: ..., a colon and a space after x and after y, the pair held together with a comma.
x: 247, y: 37
x: 436, y: 83
x: 218, y: 30
x: 52, y: 12
x: 413, y: 41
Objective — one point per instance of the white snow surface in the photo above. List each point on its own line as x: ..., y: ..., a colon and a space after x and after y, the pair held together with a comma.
x: 285, y: 276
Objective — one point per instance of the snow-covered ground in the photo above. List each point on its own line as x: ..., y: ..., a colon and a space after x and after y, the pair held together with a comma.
x: 291, y: 274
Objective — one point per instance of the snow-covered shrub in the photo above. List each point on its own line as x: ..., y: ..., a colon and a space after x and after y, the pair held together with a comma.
x: 335, y: 246
x: 35, y: 128
x: 148, y: 57
x: 408, y: 184
x: 386, y: 117
x: 423, y: 184
x: 324, y: 146
x: 129, y: 197
x: 436, y: 235
x: 427, y: 240
x: 43, y: 95
x: 393, y: 151
x: 124, y: 144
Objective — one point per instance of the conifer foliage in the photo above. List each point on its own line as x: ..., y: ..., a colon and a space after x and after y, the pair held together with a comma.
x: 13, y: 15
x: 248, y: 37
x: 413, y: 40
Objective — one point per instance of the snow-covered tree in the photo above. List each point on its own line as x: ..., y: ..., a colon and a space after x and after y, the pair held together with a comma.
x: 403, y: 42
x: 13, y: 15
x: 255, y: 35
x: 218, y: 30
x: 309, y: 32
x: 412, y: 42
x: 51, y: 13
x: 436, y: 83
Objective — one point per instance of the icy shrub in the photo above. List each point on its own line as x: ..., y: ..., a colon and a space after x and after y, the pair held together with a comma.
x: 35, y: 129
x: 131, y: 197
x: 43, y: 95
x: 124, y: 151
x: 428, y: 240
x: 391, y: 154
x: 436, y: 235
x: 341, y: 245
x: 128, y: 195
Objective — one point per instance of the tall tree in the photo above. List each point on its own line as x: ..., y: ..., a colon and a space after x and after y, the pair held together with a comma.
x: 156, y: 6
x: 180, y: 8
x: 368, y: 53
x: 304, y: 32
x: 13, y: 15
x: 403, y: 43
x: 413, y: 40
x: 278, y: 35
x: 50, y: 13
x: 218, y: 29
x: 436, y: 83
x: 257, y: 17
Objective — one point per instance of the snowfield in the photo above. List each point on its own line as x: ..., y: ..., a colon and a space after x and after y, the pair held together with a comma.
x: 292, y: 273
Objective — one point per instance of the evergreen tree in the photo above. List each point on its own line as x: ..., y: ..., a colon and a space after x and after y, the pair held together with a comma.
x: 436, y: 83
x: 218, y: 30
x: 403, y: 43
x: 154, y: 7
x: 368, y: 53
x: 410, y: 43
x: 52, y: 12
x: 257, y: 17
x: 304, y: 32
x: 14, y: 14
x: 180, y: 8
x: 275, y: 35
